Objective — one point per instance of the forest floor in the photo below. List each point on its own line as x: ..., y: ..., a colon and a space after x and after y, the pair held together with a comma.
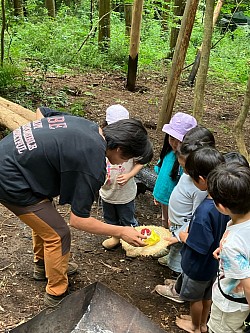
x: 134, y: 279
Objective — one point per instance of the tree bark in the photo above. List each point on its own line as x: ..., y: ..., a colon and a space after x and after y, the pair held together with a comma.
x: 104, y: 25
x: 50, y: 5
x: 128, y: 18
x: 18, y: 8
x: 178, y: 62
x: 17, y: 109
x: 239, y: 132
x: 196, y: 64
x: 204, y: 62
x: 134, y: 44
x: 2, y: 30
x: 10, y: 119
x: 179, y: 7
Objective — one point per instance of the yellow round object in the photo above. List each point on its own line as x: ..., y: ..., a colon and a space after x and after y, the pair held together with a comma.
x: 132, y: 251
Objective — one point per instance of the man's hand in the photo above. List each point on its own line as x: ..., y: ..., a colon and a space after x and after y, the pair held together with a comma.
x: 132, y: 236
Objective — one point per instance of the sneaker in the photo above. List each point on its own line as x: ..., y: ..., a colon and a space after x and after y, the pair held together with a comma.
x: 39, y: 270
x: 168, y: 292
x: 163, y: 261
x: 52, y: 301
x: 168, y: 282
x: 111, y: 243
x: 161, y: 253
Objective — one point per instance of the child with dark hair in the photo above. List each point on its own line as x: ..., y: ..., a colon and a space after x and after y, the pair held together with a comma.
x: 119, y: 190
x: 199, y: 242
x: 229, y: 186
x: 236, y: 157
x: 167, y: 168
x: 185, y: 197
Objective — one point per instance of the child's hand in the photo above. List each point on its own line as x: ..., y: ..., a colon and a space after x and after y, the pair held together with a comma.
x: 157, y: 203
x: 216, y: 253
x: 183, y: 235
x: 171, y: 240
x: 122, y: 179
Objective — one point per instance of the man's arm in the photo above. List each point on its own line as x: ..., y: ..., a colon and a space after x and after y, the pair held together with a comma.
x: 94, y: 226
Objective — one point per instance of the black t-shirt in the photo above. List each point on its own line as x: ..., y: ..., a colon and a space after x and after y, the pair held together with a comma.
x: 62, y: 155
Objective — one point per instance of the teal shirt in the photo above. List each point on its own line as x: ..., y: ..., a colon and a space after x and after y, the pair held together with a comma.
x: 164, y: 184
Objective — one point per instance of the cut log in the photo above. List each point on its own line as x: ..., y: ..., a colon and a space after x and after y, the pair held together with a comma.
x: 10, y: 119
x: 18, y: 109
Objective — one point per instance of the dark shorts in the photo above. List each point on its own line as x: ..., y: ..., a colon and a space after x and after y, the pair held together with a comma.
x: 191, y: 290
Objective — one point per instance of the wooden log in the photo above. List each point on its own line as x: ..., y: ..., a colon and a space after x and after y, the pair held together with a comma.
x: 10, y: 119
x: 18, y: 109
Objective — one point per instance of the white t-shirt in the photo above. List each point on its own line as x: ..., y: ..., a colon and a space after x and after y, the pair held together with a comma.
x: 184, y: 200
x: 234, y: 266
x: 114, y: 193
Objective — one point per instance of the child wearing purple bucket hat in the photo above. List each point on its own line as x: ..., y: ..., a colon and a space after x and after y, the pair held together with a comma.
x: 167, y: 168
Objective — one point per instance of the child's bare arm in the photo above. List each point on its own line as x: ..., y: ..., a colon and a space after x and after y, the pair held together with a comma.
x: 216, y: 253
x: 183, y: 235
x: 246, y: 286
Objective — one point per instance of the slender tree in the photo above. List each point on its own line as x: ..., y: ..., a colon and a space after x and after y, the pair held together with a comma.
x: 18, y: 7
x: 104, y: 24
x: 238, y: 128
x: 196, y: 64
x: 134, y: 44
x: 179, y: 6
x: 178, y: 62
x: 50, y: 5
x: 2, y: 30
x: 204, y: 62
x: 128, y: 6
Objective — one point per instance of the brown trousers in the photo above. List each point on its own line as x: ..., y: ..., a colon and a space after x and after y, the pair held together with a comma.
x: 51, y: 241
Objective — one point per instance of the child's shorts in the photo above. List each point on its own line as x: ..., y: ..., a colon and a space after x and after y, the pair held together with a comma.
x: 191, y: 290
x: 221, y: 322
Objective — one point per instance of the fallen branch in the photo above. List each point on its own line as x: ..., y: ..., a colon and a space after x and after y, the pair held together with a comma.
x: 115, y: 269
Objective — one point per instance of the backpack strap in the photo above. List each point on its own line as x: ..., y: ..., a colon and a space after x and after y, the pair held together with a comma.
x: 241, y: 300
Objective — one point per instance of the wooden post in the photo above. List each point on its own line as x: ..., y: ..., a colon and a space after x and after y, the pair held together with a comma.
x: 178, y: 62
x: 104, y: 24
x: 134, y: 44
x: 17, y: 109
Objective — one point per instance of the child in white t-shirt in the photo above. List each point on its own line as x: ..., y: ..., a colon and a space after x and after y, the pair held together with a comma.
x: 119, y: 190
x: 185, y: 197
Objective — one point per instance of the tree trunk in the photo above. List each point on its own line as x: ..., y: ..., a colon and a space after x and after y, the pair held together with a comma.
x: 2, y: 30
x: 104, y: 25
x: 128, y: 18
x: 165, y: 14
x: 17, y: 109
x: 179, y: 7
x: 239, y: 134
x: 134, y: 44
x: 18, y: 8
x: 10, y: 119
x: 196, y: 64
x: 204, y: 62
x: 178, y: 62
x: 50, y: 5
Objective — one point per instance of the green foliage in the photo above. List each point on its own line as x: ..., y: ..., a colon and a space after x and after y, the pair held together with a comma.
x: 63, y: 44
x: 10, y: 76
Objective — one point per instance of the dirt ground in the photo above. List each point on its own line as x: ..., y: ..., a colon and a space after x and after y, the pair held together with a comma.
x: 134, y: 279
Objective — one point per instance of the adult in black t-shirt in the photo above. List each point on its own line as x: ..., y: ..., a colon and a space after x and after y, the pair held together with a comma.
x: 62, y: 155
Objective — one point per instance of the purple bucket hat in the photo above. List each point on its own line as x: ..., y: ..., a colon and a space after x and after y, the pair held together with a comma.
x: 179, y: 125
